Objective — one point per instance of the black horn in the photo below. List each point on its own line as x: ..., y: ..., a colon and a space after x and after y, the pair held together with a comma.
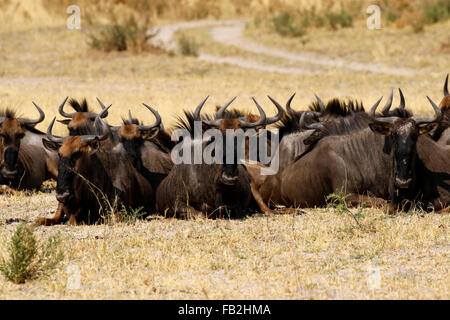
x: 437, y: 114
x: 34, y: 122
x: 154, y: 125
x: 446, y: 86
x: 51, y: 137
x: 280, y: 113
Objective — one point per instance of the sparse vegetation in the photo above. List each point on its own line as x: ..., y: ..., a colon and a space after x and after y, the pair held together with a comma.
x: 121, y: 37
x: 285, y: 26
x: 319, y: 255
x: 187, y: 45
x: 27, y: 260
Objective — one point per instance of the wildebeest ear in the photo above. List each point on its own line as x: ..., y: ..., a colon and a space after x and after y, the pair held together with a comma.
x: 427, y: 127
x: 150, y: 134
x: 381, y: 128
x: 50, y: 145
x: 65, y: 121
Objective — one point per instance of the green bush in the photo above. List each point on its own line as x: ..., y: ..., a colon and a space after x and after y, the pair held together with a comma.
x: 439, y: 11
x: 120, y: 37
x: 187, y: 46
x: 343, y: 19
x: 284, y: 25
x: 26, y: 259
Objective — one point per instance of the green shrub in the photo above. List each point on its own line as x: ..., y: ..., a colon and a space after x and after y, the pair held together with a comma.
x: 284, y: 25
x: 26, y: 259
x: 435, y: 12
x: 335, y: 19
x: 187, y: 46
x: 120, y: 37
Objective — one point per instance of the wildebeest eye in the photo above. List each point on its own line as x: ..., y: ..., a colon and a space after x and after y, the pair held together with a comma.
x: 20, y: 135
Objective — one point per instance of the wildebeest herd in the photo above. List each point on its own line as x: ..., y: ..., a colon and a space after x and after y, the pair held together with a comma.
x: 390, y: 157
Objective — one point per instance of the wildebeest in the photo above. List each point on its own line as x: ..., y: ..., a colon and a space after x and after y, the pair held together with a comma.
x: 442, y: 132
x: 357, y: 162
x: 212, y: 189
x: 82, y: 120
x: 301, y: 130
x: 24, y: 162
x: 146, y: 153
x: 93, y: 179
x: 408, y: 180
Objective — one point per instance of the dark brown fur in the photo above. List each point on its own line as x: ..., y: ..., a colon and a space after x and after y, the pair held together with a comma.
x: 21, y: 151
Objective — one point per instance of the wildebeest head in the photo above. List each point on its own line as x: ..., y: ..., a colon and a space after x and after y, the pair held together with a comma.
x: 404, y: 133
x: 132, y: 135
x: 12, y: 130
x: 229, y: 171
x: 80, y: 122
x: 72, y: 150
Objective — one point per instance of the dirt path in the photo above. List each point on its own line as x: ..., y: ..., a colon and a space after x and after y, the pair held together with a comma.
x: 230, y: 33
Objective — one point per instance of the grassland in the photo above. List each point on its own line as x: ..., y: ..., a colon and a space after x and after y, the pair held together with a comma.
x: 317, y: 255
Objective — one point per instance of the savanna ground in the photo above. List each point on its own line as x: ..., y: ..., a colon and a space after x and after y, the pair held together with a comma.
x: 320, y: 254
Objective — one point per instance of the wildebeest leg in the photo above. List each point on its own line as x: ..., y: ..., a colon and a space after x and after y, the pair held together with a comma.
x: 59, y: 214
x: 355, y: 200
x: 444, y: 210
x: 259, y: 200
x: 73, y: 217
x: 184, y: 211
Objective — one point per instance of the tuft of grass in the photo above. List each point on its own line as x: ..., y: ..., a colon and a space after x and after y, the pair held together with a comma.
x: 187, y: 46
x: 337, y: 201
x: 436, y: 12
x: 284, y: 25
x: 342, y: 19
x: 27, y: 260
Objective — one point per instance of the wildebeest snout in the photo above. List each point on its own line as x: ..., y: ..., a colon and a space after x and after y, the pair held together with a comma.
x: 402, y: 183
x: 63, y: 197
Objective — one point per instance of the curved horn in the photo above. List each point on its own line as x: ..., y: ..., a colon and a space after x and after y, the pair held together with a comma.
x: 34, y: 122
x: 315, y: 125
x: 321, y: 105
x: 402, y: 100
x: 50, y: 136
x: 387, y: 106
x: 199, y: 108
x: 288, y: 105
x: 261, y: 121
x: 62, y: 112
x: 437, y: 114
x: 130, y: 117
x: 101, y: 127
x: 103, y: 108
x: 157, y: 122
x: 220, y: 112
x: 446, y: 86
x: 374, y: 107
x: 279, y: 114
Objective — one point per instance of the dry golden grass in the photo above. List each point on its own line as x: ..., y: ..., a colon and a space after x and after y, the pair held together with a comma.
x: 317, y: 255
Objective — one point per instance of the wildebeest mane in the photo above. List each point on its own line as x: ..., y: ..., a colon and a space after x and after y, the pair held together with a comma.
x: 128, y: 122
x: 11, y: 114
x: 8, y: 113
x: 341, y: 117
x: 79, y: 107
x: 336, y: 107
x: 187, y: 122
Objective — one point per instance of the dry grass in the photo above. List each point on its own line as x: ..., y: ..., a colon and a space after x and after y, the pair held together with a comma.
x: 317, y: 255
